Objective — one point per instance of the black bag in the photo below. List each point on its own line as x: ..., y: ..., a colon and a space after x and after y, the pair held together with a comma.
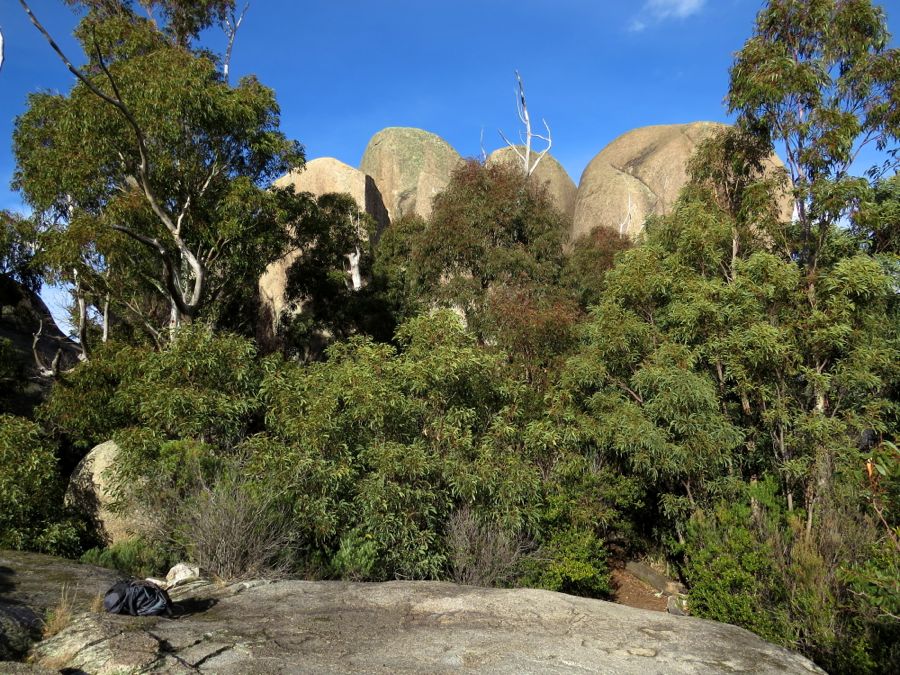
x: 137, y: 598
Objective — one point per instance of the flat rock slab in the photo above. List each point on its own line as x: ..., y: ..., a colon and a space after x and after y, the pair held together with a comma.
x: 406, y: 627
x: 31, y: 584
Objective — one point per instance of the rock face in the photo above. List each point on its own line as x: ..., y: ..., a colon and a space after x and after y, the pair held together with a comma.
x: 409, y: 166
x: 325, y: 175
x: 549, y: 173
x: 396, y: 627
x: 89, y: 492
x: 30, y: 584
x: 639, y: 174
x: 320, y: 176
x: 22, y: 313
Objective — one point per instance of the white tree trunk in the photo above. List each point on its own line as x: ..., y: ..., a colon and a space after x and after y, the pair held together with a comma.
x: 528, y: 135
x: 355, y: 274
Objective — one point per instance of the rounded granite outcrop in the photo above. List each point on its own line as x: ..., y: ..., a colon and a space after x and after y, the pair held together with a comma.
x: 549, y: 173
x: 320, y: 176
x: 410, y: 166
x: 637, y: 175
x: 326, y: 175
x: 90, y: 493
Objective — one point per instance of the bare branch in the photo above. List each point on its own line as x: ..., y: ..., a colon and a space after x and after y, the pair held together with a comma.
x: 171, y: 277
x: 147, y: 6
x: 82, y: 315
x: 512, y: 145
x: 46, y: 371
x: 233, y: 24
x: 1, y: 50
x: 527, y: 135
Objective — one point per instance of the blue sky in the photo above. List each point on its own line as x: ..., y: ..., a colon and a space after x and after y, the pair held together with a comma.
x: 344, y: 69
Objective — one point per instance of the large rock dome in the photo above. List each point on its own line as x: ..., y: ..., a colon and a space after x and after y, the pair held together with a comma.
x: 410, y: 166
x: 637, y: 175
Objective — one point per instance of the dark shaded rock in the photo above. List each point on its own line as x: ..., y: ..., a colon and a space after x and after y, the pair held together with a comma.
x: 21, y: 315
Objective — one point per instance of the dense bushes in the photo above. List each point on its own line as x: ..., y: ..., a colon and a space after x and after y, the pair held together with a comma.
x: 31, y: 511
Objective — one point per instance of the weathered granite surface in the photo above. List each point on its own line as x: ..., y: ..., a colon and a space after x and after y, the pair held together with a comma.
x: 403, y: 627
x: 30, y: 584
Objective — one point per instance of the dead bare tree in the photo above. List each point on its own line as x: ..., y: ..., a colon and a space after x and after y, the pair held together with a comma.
x: 354, y: 258
x: 1, y: 50
x: 232, y: 23
x: 527, y: 135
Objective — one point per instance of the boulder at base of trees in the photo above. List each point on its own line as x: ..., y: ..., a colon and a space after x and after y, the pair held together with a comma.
x: 90, y: 493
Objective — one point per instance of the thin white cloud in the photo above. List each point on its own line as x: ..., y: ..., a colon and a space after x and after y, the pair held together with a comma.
x: 656, y: 11
x: 680, y: 9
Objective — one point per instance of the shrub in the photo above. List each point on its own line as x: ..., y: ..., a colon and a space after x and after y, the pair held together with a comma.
x: 355, y: 558
x: 232, y: 534
x: 732, y: 573
x: 571, y: 561
x: 31, y: 513
x: 60, y: 616
x: 482, y: 555
x: 136, y: 557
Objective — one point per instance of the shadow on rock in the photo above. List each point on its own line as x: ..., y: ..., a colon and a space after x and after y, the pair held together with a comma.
x: 190, y: 606
x: 7, y: 584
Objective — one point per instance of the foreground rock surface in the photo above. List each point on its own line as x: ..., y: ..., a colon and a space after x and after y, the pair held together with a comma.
x: 403, y: 627
x: 31, y: 584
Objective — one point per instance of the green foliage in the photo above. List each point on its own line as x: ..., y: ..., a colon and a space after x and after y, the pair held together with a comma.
x: 157, y: 199
x: 592, y: 255
x: 134, y: 557
x: 392, y: 269
x: 490, y: 227
x: 574, y: 562
x: 80, y: 409
x: 878, y: 215
x: 383, y: 443
x: 31, y: 513
x: 320, y: 284
x: 355, y: 558
x: 752, y: 565
x: 733, y: 575
x: 12, y: 375
x: 16, y: 252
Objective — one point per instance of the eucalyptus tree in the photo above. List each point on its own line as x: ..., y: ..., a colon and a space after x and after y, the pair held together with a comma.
x: 148, y: 177
x: 818, y: 78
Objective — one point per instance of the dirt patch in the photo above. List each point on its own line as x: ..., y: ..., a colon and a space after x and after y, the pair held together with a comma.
x: 632, y: 592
